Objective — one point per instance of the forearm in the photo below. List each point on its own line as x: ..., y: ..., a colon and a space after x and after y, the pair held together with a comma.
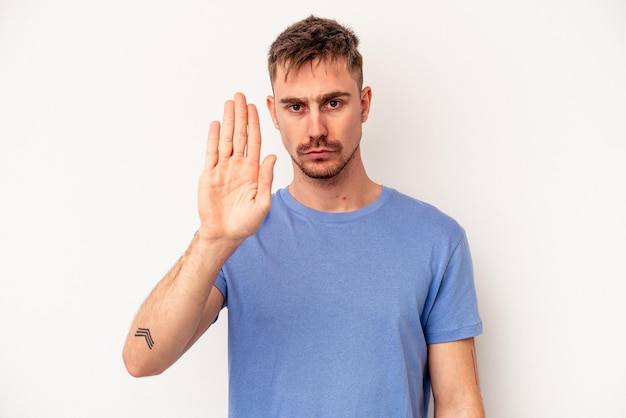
x: 173, y: 312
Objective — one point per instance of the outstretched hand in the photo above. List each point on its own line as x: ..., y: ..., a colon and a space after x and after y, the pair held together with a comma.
x: 234, y: 191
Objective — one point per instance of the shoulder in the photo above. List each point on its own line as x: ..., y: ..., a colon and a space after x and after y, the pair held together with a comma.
x: 420, y: 214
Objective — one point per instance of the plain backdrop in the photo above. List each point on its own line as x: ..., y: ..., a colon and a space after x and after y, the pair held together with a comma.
x: 508, y: 115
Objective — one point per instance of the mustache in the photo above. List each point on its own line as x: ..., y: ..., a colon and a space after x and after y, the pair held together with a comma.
x: 319, y: 143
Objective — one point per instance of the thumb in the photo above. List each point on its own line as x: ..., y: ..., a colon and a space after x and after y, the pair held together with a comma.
x: 266, y: 177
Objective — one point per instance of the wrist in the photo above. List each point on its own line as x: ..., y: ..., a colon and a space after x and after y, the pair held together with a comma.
x: 215, y: 246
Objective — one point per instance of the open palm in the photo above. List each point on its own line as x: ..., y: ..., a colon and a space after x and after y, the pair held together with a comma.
x: 234, y: 191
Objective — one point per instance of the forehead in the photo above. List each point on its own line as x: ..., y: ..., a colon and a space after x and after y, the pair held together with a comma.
x: 313, y: 78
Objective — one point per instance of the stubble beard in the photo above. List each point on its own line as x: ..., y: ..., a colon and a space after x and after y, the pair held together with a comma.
x: 325, y: 173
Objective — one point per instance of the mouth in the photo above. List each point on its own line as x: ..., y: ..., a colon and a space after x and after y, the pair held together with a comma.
x: 317, y: 154
x: 318, y: 150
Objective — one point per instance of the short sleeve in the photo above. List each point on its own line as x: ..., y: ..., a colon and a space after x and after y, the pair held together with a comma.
x: 222, y: 286
x: 453, y: 313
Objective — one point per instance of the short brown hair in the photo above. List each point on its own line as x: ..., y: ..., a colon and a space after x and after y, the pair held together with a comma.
x: 315, y: 38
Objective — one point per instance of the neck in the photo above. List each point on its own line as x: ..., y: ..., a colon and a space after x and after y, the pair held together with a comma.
x: 348, y: 191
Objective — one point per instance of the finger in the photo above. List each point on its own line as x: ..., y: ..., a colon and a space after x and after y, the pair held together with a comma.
x: 254, y: 134
x: 225, y: 146
x: 240, y: 136
x: 213, y: 139
x: 266, y: 176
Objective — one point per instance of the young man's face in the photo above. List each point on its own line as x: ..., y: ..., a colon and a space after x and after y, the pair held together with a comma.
x: 319, y: 111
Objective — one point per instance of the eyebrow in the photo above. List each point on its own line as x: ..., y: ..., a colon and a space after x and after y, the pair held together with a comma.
x: 323, y: 98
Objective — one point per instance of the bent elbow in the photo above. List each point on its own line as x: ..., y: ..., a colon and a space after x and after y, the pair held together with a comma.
x: 139, y: 368
x: 135, y: 371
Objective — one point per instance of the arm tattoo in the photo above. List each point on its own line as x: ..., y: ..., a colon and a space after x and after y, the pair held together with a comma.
x: 145, y: 332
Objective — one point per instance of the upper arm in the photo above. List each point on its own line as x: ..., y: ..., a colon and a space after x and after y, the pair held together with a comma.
x: 214, y: 304
x: 454, y: 379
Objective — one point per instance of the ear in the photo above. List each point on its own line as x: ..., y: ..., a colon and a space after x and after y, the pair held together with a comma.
x: 366, y: 101
x: 271, y: 106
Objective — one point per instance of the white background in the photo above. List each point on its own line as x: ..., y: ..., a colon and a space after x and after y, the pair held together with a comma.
x: 509, y: 116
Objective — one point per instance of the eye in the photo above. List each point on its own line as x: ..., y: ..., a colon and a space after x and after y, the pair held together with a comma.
x: 296, y: 107
x: 333, y: 104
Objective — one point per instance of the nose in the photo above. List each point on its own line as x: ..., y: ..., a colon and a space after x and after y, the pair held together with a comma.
x: 316, y: 128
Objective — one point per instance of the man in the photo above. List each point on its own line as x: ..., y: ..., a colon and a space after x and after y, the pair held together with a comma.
x: 345, y: 298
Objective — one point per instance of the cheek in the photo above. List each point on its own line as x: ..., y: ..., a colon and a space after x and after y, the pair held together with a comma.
x: 292, y: 130
x: 288, y: 136
x: 352, y: 128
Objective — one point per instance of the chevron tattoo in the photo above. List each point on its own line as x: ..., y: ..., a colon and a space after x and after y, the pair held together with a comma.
x: 145, y: 332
